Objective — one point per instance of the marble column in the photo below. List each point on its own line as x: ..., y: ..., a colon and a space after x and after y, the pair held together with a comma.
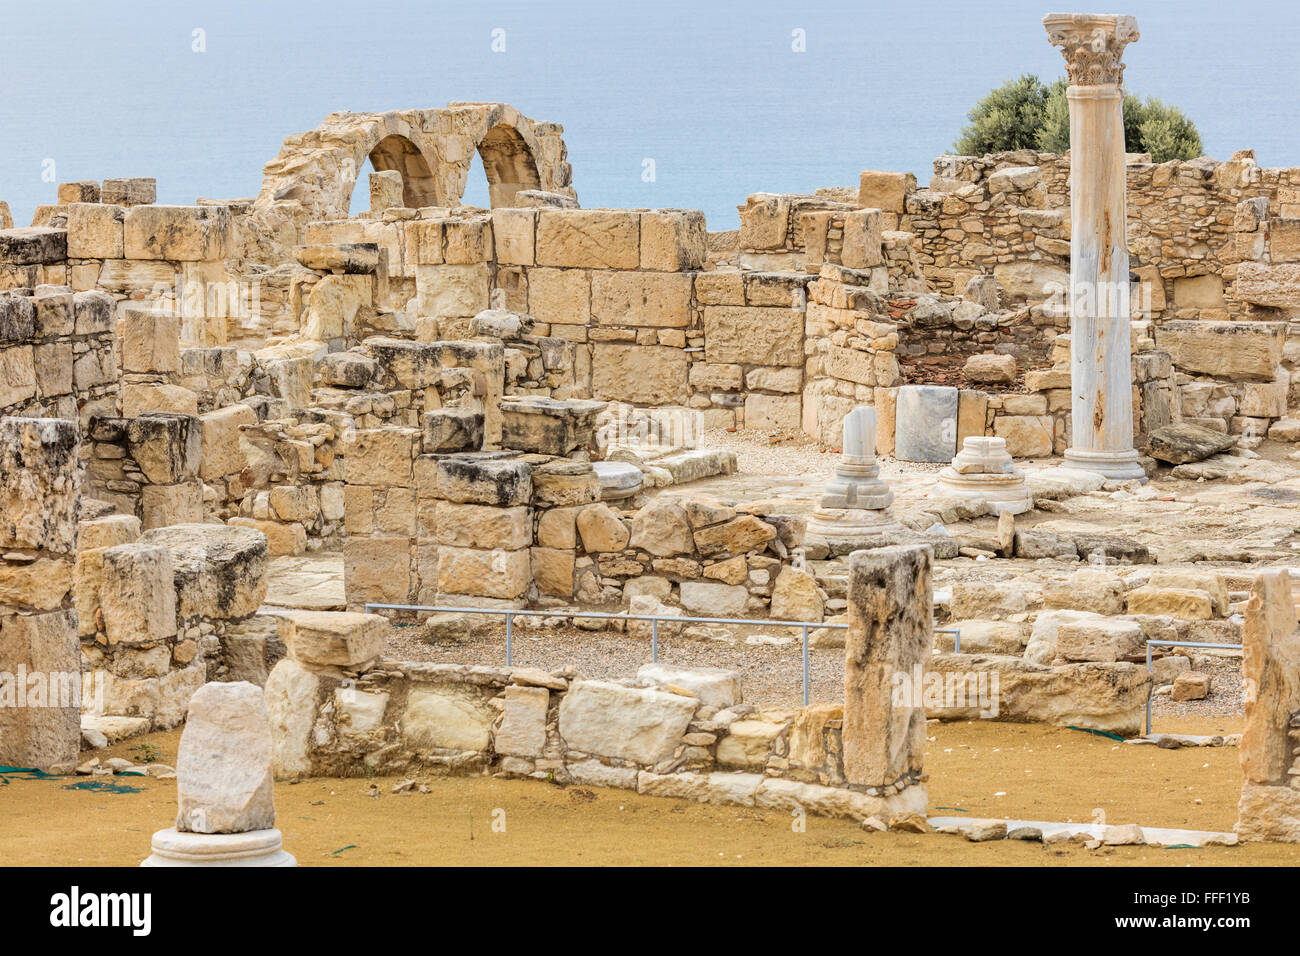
x: 854, y: 509
x: 1101, y: 376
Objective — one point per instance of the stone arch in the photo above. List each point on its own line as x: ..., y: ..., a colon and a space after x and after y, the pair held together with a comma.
x: 508, y: 163
x: 396, y: 152
x: 432, y: 148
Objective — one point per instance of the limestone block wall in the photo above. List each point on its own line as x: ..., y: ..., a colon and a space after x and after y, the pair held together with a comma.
x: 40, y: 496
x: 337, y: 709
x: 58, y: 357
x: 168, y: 610
x: 171, y: 254
x: 668, y: 732
x: 1007, y: 214
x: 148, y: 466
x: 288, y: 483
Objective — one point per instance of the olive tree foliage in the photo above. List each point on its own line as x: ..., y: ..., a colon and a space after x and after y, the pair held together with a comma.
x: 1026, y: 113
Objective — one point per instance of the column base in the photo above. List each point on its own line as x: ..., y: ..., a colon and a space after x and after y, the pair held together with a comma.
x: 1117, y: 465
x: 171, y: 847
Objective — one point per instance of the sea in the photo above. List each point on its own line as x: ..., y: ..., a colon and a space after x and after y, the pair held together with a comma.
x: 664, y: 104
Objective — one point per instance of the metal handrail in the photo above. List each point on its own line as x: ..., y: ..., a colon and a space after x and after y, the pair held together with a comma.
x: 654, y: 619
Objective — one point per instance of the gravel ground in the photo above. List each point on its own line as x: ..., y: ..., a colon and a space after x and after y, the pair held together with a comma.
x: 1225, y: 692
x: 772, y: 674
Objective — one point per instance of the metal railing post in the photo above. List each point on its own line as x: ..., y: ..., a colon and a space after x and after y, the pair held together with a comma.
x: 510, y: 620
x: 1151, y: 689
x: 654, y: 641
x: 805, y: 665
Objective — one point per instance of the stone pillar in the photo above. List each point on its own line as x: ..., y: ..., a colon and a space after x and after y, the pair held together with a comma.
x: 854, y: 510
x: 889, y: 642
x: 1101, y: 376
x: 40, y: 654
x: 1270, y: 663
x: 224, y: 784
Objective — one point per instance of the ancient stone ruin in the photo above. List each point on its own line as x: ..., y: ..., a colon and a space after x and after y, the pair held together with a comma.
x: 1033, y: 395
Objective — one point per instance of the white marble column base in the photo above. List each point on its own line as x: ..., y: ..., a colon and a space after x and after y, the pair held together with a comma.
x: 1004, y: 492
x: 171, y: 847
x: 1117, y: 465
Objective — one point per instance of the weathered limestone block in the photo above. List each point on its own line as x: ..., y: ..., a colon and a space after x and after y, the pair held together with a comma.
x: 377, y: 569
x: 552, y: 570
x: 17, y: 375
x: 178, y: 233
x: 220, y: 437
x: 1269, y: 808
x: 40, y: 722
x: 1183, y: 442
x: 610, y: 720
x: 291, y: 699
x: 647, y: 299
x: 714, y: 599
x: 33, y: 245
x: 501, y: 483
x: 1104, y: 639
x: 991, y: 369
x: 40, y: 482
x: 168, y: 447
x: 144, y: 398
x: 1098, y: 696
x: 546, y: 426
x: 563, y: 483
x: 1027, y: 436
x: 381, y: 457
x: 83, y: 191
x: 224, y: 781
x: 347, y: 369
x: 150, y: 340
x: 451, y: 430
x: 890, y: 632
x: 662, y: 528
x: 130, y: 191
x: 332, y: 638
x: 673, y: 240
x: 884, y: 190
x: 447, y: 716
x: 482, y: 526
x: 219, y: 570
x: 750, y: 335
x: 748, y: 743
x: 1185, y: 604
x: 1231, y: 350
x: 641, y: 374
x: 138, y: 596
x: 737, y: 536
x: 94, y: 230
x: 714, y: 686
x: 796, y: 597
x: 862, y: 239
x: 588, y: 238
x: 523, y: 722
x: 498, y: 573
x: 1089, y: 589
x: 601, y: 529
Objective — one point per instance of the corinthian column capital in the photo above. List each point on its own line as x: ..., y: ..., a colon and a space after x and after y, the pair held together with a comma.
x: 1093, y: 45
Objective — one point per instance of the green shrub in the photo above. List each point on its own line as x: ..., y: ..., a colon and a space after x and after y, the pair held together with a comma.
x: 1025, y: 113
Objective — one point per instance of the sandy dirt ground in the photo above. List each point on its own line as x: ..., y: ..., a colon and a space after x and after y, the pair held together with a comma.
x: 1004, y: 770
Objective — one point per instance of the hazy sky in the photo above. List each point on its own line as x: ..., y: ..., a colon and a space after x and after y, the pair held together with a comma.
x: 713, y: 92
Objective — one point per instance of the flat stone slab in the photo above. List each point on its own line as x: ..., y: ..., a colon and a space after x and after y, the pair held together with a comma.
x: 1152, y: 836
x: 1182, y: 442
x: 925, y: 426
x: 312, y: 582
